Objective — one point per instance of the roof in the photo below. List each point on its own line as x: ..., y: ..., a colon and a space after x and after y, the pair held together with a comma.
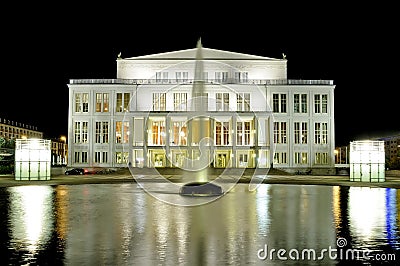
x: 207, y: 54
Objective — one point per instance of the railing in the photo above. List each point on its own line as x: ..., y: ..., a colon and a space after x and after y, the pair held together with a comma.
x: 209, y: 81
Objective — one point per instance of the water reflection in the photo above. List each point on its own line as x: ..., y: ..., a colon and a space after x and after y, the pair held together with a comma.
x: 30, y: 219
x: 119, y: 224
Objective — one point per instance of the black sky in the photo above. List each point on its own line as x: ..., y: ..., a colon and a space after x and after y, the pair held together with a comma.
x: 355, y: 46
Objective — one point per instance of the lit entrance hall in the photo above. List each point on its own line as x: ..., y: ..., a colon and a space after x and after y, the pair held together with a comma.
x: 173, y: 139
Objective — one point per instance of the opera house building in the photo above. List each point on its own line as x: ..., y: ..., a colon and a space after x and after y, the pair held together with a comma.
x: 231, y: 109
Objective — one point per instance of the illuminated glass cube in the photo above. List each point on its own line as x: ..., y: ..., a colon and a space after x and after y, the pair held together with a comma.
x: 32, y: 159
x: 367, y: 161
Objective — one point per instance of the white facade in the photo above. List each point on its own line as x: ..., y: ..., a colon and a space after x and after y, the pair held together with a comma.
x: 256, y: 117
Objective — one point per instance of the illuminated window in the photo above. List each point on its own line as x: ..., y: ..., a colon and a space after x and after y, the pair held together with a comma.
x: 321, y: 158
x: 321, y: 133
x: 280, y: 132
x: 300, y: 158
x: 121, y: 157
x: 279, y: 103
x: 157, y: 132
x: 179, y: 133
x: 159, y: 103
x: 122, y: 103
x: 243, y: 132
x: 243, y: 102
x: 300, y: 133
x: 81, y: 102
x: 102, y: 102
x: 102, y: 132
x: 222, y: 133
x: 80, y: 132
x: 122, y: 132
x: 180, y: 101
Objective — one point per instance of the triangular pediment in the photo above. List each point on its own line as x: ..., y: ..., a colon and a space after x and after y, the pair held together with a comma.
x: 207, y: 54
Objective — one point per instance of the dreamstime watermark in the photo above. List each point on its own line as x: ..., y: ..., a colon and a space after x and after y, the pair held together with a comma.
x: 340, y: 252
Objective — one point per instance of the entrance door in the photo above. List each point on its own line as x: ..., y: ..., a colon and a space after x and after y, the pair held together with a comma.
x: 222, y: 159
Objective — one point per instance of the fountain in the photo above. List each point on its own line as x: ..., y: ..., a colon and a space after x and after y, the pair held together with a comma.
x: 198, y: 169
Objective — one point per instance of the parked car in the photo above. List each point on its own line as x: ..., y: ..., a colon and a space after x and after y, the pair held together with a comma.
x: 75, y: 171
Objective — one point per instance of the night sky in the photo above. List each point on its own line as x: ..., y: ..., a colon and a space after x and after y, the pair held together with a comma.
x: 355, y: 46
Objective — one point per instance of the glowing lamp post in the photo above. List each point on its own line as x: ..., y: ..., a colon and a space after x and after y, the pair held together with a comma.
x: 32, y: 159
x: 367, y: 161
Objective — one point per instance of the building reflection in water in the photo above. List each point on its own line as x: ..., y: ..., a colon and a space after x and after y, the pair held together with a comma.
x: 31, y: 218
x: 121, y: 224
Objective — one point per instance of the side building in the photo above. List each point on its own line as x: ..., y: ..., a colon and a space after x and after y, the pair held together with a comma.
x: 255, y: 116
x: 15, y: 130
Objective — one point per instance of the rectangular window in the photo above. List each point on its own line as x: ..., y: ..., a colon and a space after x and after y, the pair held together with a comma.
x: 80, y: 157
x: 279, y: 103
x: 97, y: 157
x: 102, y: 132
x: 162, y: 77
x: 84, y: 157
x: 300, y: 103
x: 222, y: 101
x: 221, y: 77
x: 221, y: 133
x: 80, y: 132
x: 122, y: 102
x: 296, y: 103
x: 324, y: 107
x: 157, y: 132
x: 321, y: 103
x: 321, y: 133
x: 102, y: 102
x: 159, y: 103
x: 77, y: 157
x: 122, y: 132
x: 300, y: 158
x: 101, y: 157
x: 179, y: 133
x: 321, y: 158
x: 280, y: 158
x: 300, y: 132
x: 304, y: 105
x: 180, y: 101
x: 243, y: 133
x: 280, y: 132
x: 82, y: 102
x: 243, y: 102
x: 121, y: 157
x: 181, y: 77
x: 241, y: 77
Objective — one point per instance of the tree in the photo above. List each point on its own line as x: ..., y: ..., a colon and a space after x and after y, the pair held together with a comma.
x: 7, y: 155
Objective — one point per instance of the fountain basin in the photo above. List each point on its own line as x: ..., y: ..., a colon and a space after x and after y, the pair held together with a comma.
x: 199, y: 189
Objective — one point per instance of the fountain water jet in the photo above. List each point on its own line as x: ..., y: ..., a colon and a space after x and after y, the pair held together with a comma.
x: 199, y: 168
